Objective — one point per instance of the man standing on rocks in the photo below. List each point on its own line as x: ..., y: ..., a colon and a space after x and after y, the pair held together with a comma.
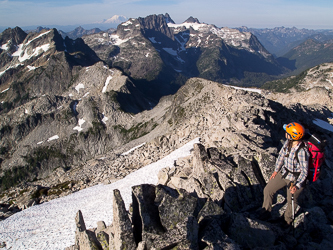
x: 288, y: 172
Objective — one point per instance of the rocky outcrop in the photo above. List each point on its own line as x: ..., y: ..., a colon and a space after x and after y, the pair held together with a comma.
x: 155, y: 24
x: 237, y: 127
x: 219, y: 212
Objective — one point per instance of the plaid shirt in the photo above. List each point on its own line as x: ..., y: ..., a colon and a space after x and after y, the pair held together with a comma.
x: 289, y: 162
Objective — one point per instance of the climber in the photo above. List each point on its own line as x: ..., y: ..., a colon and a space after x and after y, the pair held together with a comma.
x: 288, y: 172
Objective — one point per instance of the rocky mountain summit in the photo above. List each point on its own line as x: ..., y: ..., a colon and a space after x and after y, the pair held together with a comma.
x: 236, y: 122
x: 208, y: 201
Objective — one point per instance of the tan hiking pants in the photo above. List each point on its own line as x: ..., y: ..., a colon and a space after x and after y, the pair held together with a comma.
x: 272, y: 187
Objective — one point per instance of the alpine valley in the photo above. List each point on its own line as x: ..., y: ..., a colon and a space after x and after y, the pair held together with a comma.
x: 70, y: 108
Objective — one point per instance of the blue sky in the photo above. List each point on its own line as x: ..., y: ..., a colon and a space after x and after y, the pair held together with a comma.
x: 313, y: 14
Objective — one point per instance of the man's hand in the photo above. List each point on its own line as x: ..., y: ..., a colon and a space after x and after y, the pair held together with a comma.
x: 273, y: 175
x: 293, y: 189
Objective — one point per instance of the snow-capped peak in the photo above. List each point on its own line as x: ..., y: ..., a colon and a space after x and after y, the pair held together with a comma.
x: 116, y: 19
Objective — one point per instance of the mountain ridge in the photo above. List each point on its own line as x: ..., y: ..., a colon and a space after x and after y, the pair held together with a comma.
x: 63, y: 102
x: 236, y: 126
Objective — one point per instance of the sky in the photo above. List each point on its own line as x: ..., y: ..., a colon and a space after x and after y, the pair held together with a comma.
x: 311, y: 14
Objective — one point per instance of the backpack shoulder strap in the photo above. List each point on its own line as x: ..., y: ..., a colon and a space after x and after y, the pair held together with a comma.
x: 299, y: 148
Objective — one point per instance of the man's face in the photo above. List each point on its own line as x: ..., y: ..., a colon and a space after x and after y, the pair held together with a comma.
x: 288, y: 136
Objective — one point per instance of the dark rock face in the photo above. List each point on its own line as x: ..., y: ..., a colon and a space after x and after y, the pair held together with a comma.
x: 12, y: 37
x: 250, y: 233
x: 154, y: 24
x: 174, y: 206
x: 145, y: 213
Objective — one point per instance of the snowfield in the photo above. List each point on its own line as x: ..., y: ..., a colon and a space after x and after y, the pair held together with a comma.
x: 51, y: 225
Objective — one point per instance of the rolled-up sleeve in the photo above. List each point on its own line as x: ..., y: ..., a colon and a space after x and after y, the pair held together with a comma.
x: 304, y: 162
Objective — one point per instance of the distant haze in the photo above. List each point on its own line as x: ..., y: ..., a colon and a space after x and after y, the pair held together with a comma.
x: 251, y: 13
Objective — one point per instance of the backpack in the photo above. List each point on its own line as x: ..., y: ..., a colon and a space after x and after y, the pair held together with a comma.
x: 316, y: 147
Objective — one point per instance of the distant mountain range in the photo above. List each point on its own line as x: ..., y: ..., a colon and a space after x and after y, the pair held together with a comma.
x: 308, y: 54
x: 281, y: 40
x: 160, y: 55
x: 105, y: 24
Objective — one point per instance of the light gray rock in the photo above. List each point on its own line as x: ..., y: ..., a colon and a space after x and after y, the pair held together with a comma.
x: 141, y: 246
x: 163, y: 176
x: 123, y: 232
x: 100, y: 226
x: 191, y: 185
x: 84, y: 239
x: 199, y: 157
x: 206, y: 174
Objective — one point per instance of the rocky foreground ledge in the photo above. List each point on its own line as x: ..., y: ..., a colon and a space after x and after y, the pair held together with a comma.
x: 208, y: 201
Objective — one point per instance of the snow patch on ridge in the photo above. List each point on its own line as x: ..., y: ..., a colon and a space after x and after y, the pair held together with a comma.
x: 79, y: 86
x: 5, y: 90
x: 195, y: 26
x: 131, y: 150
x: 55, y: 137
x: 51, y: 225
x: 105, y: 119
x: 31, y: 67
x: 35, y: 52
x: 170, y: 51
x: 106, y: 84
x: 115, y: 39
x: 127, y: 23
x: 38, y: 37
x: 246, y: 89
x: 5, y: 46
x: 10, y: 67
x: 79, y: 128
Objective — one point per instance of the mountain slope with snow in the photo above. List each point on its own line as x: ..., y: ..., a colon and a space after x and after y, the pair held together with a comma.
x: 155, y: 51
x: 231, y: 124
x: 52, y: 226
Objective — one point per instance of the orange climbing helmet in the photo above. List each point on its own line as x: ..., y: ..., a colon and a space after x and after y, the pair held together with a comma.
x: 295, y: 130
